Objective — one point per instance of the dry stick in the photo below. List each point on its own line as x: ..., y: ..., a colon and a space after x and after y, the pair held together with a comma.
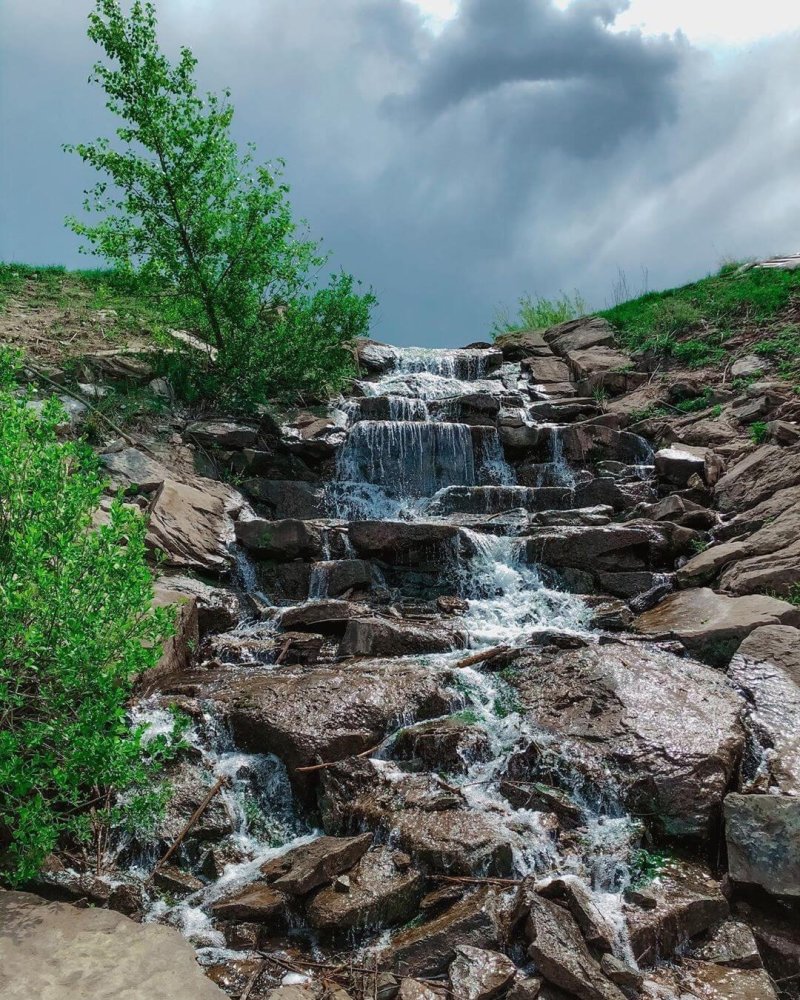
x: 82, y: 399
x: 251, y: 982
x: 463, y: 880
x: 487, y: 654
x: 331, y: 763
x: 194, y: 818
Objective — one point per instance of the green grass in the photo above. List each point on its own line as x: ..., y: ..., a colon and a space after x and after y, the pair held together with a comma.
x: 140, y: 306
x: 693, y: 323
x: 537, y: 313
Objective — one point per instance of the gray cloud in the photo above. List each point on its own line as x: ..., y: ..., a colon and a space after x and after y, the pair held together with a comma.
x: 523, y: 148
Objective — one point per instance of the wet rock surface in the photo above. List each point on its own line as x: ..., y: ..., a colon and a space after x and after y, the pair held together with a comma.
x: 453, y: 727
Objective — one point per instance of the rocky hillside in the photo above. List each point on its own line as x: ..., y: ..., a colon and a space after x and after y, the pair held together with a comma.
x: 493, y: 668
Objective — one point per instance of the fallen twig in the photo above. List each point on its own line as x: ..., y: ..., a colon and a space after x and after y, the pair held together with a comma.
x: 330, y: 763
x: 82, y: 399
x: 251, y: 982
x: 464, y: 880
x: 486, y: 654
x: 192, y: 820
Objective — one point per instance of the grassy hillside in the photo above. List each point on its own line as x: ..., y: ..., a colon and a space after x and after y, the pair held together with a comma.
x: 735, y: 311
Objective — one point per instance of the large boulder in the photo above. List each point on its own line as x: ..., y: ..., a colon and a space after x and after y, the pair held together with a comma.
x: 682, y: 902
x: 691, y: 979
x: 763, y: 837
x: 519, y: 344
x: 285, y: 498
x: 579, y: 335
x: 53, y: 950
x: 766, y: 669
x: 323, y: 714
x: 395, y: 637
x: 666, y: 730
x: 713, y: 624
x: 285, y: 540
x: 678, y: 463
x: 766, y: 560
x: 383, y: 890
x: 191, y: 525
x: 178, y: 649
x: 310, y: 866
x: 560, y: 953
x: 375, y: 357
x: 258, y: 903
x: 757, y: 477
x: 223, y: 434
x: 428, y: 950
x: 478, y: 974
x: 425, y: 816
x: 131, y: 468
x: 218, y: 609
x: 401, y: 541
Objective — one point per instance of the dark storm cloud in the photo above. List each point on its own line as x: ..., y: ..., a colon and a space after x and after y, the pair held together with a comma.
x: 561, y: 74
x: 523, y: 148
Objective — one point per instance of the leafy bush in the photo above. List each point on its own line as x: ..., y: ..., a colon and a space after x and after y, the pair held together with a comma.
x: 75, y: 627
x: 759, y: 431
x: 209, y: 228
x: 538, y: 313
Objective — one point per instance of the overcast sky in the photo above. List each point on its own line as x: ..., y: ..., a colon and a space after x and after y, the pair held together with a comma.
x: 457, y: 154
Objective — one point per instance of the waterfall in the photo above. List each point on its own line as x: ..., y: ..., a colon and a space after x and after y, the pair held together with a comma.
x: 507, y: 599
x: 406, y: 458
x: 556, y: 471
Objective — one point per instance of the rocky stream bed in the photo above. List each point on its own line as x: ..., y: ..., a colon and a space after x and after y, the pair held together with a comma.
x: 476, y: 709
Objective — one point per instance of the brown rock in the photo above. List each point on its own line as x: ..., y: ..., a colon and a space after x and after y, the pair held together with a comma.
x: 305, y: 868
x: 700, y: 619
x: 401, y: 541
x: 561, y: 955
x: 477, y: 974
x: 190, y: 525
x: 223, y: 434
x: 766, y: 668
x: 733, y: 944
x: 763, y: 837
x: 666, y: 728
x: 709, y: 982
x: 446, y: 745
x: 379, y: 894
x: 55, y: 950
x: 569, y: 889
x: 757, y: 477
x: 257, y: 903
x: 325, y: 714
x: 393, y: 637
x: 688, y: 902
x: 429, y: 949
x: 176, y: 881
x: 678, y: 463
x: 620, y: 973
x: 287, y: 539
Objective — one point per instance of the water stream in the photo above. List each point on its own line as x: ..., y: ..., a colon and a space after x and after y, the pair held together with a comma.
x: 397, y: 468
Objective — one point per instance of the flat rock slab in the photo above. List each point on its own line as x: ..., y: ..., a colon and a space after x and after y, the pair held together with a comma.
x: 700, y: 618
x: 53, y: 951
x: 766, y: 668
x: 763, y: 836
x: 757, y: 477
x: 665, y: 728
x: 323, y: 713
x: 663, y: 915
x: 709, y: 981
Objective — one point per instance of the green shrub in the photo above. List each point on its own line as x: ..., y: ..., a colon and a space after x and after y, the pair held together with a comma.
x: 75, y: 627
x: 538, y: 313
x: 759, y: 431
x: 647, y: 865
x: 206, y: 226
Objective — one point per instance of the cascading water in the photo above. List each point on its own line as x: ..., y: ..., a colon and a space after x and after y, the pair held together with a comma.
x: 402, y: 467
